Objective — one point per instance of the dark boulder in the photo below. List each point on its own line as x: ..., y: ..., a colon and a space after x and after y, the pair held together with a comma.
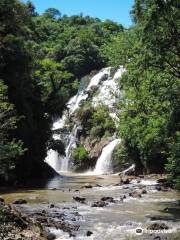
x: 2, y: 201
x: 89, y: 233
x: 51, y: 236
x: 158, y: 226
x: 79, y: 199
x: 99, y: 204
x: 143, y: 191
x: 135, y: 194
x: 124, y: 180
x: 87, y: 185
x: 20, y: 201
x: 108, y: 199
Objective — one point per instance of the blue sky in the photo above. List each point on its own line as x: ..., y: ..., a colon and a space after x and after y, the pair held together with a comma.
x: 117, y: 10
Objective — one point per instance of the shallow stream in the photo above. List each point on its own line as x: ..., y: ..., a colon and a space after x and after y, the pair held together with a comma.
x: 118, y: 220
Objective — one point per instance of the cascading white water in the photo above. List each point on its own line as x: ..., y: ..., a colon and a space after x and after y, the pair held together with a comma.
x: 104, y: 163
x: 108, y: 91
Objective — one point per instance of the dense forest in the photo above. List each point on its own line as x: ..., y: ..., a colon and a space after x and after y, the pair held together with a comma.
x: 42, y: 59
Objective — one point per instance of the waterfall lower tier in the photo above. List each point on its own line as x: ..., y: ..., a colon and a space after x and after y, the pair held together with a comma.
x: 104, y: 163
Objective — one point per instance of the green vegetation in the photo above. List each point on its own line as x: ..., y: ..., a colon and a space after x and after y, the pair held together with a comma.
x: 95, y: 121
x: 80, y: 158
x: 42, y: 60
x: 149, y: 122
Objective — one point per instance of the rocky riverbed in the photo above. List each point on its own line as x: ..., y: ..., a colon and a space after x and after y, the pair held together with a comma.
x: 93, y: 207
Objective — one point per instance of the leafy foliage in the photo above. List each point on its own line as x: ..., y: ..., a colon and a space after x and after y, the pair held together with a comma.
x: 149, y: 120
x: 80, y: 157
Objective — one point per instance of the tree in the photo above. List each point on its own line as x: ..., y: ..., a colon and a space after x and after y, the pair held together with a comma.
x: 52, y: 13
x: 10, y: 148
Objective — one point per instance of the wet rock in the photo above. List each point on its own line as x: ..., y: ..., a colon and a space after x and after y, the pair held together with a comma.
x: 87, y: 185
x: 76, y: 190
x: 89, y: 233
x: 19, y: 201
x: 51, y: 236
x: 157, y: 238
x: 135, y: 194
x: 122, y: 198
x: 144, y: 191
x: 2, y: 201
x: 124, y: 180
x: 162, y: 180
x: 108, y: 199
x: 158, y: 188
x: 79, y: 199
x: 158, y: 226
x: 99, y: 204
x: 98, y: 185
x: 162, y: 188
x: 53, y: 189
x: 51, y: 205
x: 66, y: 208
x: 141, y: 176
x: 77, y: 214
x: 94, y: 147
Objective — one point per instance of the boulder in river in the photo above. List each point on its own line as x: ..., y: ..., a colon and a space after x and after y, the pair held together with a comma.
x: 158, y: 226
x: 124, y: 180
x: 79, y: 199
x: 135, y: 194
x: 89, y: 233
x: 143, y: 191
x: 2, y: 201
x: 87, y: 185
x: 20, y: 201
x: 108, y: 199
x: 51, y: 236
x: 99, y: 204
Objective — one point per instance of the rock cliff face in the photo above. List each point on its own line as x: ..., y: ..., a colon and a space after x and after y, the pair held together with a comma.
x: 95, y: 146
x: 89, y: 122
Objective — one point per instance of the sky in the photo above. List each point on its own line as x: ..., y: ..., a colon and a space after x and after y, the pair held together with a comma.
x: 116, y: 10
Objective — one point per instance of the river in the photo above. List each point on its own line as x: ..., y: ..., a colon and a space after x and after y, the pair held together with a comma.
x: 120, y: 219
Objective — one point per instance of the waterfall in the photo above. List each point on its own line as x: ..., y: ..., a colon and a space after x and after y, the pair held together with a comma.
x: 108, y: 91
x: 104, y: 164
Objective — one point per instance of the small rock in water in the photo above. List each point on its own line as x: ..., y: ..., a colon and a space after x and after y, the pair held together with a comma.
x: 158, y: 226
x: 162, y: 180
x: 19, y: 201
x: 79, y: 199
x: 108, y: 199
x: 124, y: 180
x: 87, y: 185
x: 122, y: 198
x: 135, y: 194
x: 89, y: 233
x: 51, y: 205
x: 144, y: 191
x: 98, y: 185
x: 2, y: 200
x: 158, y: 188
x: 99, y: 204
x: 51, y: 236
